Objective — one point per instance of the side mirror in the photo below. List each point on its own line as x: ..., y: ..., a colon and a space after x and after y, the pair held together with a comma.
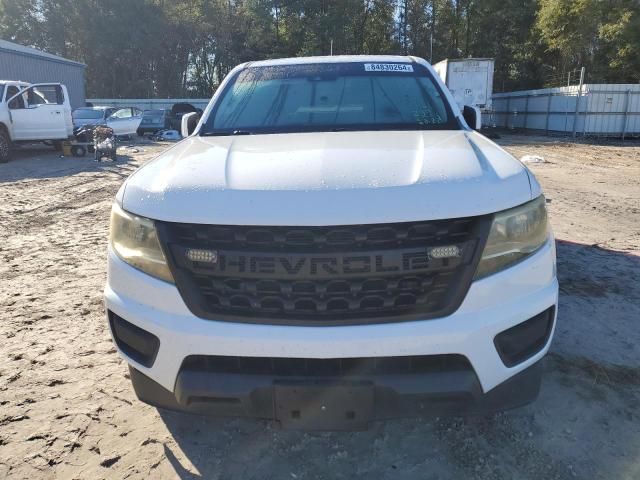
x: 472, y: 116
x: 189, y: 124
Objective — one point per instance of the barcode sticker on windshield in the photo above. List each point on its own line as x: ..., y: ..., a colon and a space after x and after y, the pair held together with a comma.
x: 388, y: 67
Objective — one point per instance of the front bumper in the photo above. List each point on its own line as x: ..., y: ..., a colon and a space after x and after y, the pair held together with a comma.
x: 260, y: 396
x: 492, y: 305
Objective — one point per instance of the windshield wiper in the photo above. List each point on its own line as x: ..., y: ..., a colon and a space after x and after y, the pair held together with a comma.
x: 356, y: 129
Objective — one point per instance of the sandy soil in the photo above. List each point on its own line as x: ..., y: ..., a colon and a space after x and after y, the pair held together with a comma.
x: 67, y: 410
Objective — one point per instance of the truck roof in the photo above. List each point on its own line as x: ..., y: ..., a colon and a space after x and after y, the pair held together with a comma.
x: 19, y: 82
x: 28, y: 84
x: 476, y: 59
x: 331, y: 59
x: 95, y: 107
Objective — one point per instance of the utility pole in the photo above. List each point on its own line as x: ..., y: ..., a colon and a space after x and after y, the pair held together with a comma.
x: 331, y: 48
x: 433, y: 28
x: 575, y: 115
x: 404, y: 33
x: 277, y: 12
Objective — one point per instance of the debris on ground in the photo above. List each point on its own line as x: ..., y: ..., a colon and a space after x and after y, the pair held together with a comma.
x: 533, y: 159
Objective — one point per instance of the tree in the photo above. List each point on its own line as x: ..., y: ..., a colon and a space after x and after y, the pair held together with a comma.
x: 602, y: 36
x: 620, y: 37
x: 162, y: 48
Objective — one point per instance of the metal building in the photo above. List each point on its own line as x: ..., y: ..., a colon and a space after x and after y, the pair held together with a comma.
x: 18, y: 62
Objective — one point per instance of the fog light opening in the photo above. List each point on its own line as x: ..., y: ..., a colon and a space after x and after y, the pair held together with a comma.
x: 136, y: 343
x: 523, y: 341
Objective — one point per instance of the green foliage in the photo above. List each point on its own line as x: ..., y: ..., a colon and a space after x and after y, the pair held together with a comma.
x: 175, y: 48
x: 603, y: 36
x: 620, y: 36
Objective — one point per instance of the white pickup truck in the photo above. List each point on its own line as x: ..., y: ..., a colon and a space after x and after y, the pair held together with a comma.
x: 332, y: 244
x: 33, y: 112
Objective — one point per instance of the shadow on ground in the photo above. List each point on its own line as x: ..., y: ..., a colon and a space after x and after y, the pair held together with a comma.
x: 42, y: 162
x: 517, y: 135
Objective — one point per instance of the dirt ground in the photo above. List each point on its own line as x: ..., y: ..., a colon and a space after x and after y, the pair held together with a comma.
x: 67, y: 409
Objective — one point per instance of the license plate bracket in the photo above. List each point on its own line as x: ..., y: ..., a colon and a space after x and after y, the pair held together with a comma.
x: 324, y: 406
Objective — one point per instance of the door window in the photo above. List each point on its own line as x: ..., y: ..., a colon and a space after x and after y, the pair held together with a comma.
x: 36, y: 98
x: 45, y: 94
x: 17, y: 102
x: 122, y: 113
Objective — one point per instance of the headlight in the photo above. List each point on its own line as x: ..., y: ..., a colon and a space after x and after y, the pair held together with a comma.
x: 515, y: 234
x: 135, y: 241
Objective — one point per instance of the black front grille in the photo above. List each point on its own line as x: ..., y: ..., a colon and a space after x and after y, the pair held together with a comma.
x: 322, y: 239
x: 326, y: 367
x: 325, y: 275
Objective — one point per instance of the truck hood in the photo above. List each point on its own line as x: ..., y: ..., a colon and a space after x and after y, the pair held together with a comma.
x: 327, y: 178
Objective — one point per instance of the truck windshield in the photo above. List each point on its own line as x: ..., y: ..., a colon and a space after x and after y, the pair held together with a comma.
x: 330, y: 97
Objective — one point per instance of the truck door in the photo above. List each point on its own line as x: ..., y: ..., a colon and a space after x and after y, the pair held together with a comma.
x: 125, y: 121
x: 37, y: 113
x: 467, y: 80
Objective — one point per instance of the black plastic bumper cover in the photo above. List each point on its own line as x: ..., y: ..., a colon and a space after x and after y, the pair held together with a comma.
x: 341, y: 404
x: 135, y: 342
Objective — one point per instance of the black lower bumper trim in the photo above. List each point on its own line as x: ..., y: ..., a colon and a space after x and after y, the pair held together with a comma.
x: 135, y: 342
x: 342, y: 404
x: 523, y: 341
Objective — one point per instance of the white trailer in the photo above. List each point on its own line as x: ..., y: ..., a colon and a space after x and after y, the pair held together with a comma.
x: 470, y: 80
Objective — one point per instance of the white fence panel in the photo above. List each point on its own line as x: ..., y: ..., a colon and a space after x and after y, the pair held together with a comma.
x: 604, y: 109
x: 148, y: 104
x: 599, y: 110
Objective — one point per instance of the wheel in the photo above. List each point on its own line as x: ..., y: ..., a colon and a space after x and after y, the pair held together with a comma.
x: 5, y: 147
x: 78, y: 150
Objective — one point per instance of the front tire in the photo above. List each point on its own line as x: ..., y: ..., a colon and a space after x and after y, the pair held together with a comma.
x: 5, y: 147
x: 78, y: 151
